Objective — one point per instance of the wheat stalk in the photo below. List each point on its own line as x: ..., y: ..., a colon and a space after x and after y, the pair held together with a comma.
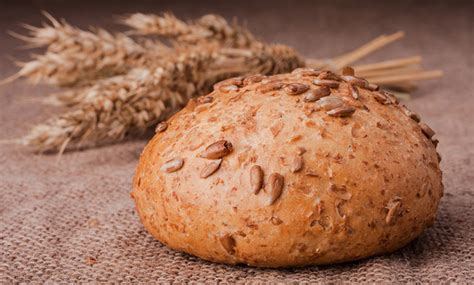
x: 75, y: 56
x: 208, y: 28
x: 129, y: 104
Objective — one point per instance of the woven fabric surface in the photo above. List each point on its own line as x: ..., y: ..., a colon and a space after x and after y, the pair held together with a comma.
x: 72, y: 220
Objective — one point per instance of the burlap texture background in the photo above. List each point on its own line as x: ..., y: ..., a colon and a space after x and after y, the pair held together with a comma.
x: 57, y: 215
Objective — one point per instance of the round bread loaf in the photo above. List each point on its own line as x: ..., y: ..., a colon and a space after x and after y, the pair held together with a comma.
x: 289, y: 170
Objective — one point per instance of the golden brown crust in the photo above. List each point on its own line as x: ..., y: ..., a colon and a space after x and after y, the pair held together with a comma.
x: 340, y: 181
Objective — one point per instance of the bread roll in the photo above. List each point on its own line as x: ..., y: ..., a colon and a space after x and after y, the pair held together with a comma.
x: 289, y: 170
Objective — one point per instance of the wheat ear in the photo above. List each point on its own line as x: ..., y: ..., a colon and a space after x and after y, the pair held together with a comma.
x: 74, y: 56
x: 209, y: 29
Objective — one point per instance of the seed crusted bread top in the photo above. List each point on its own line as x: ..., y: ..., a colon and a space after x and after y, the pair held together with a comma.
x: 294, y: 169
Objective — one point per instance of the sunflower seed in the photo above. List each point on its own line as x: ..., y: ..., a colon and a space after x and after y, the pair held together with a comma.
x: 237, y: 81
x: 275, y: 181
x: 326, y: 74
x: 276, y: 221
x: 355, y: 81
x: 295, y: 138
x: 427, y: 130
x: 172, y: 165
x: 391, y: 97
x: 311, y: 173
x: 161, y: 127
x: 339, y: 192
x: 410, y: 113
x: 210, y: 168
x: 393, y: 207
x: 270, y: 86
x: 218, y: 149
x: 339, y: 209
x: 316, y: 94
x: 328, y: 83
x: 354, y: 91
x: 253, y: 79
x: 228, y: 243
x: 297, y: 164
x: 256, y: 178
x: 276, y: 128
x: 343, y: 111
x: 348, y: 71
x: 381, y: 98
x: 205, y: 99
x: 329, y: 103
x: 373, y: 87
x: 295, y: 88
x: 228, y: 88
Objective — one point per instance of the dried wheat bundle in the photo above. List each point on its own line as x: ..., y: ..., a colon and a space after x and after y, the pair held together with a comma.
x: 122, y: 86
x: 131, y: 103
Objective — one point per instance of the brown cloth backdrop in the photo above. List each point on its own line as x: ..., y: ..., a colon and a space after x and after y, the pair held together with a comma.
x: 57, y: 215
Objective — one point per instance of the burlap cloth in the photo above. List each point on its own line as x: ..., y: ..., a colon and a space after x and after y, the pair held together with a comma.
x: 73, y: 220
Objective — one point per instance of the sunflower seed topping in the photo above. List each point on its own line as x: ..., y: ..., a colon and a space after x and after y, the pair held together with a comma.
x: 275, y: 182
x: 237, y: 81
x: 393, y: 207
x: 228, y: 243
x: 210, y: 168
x: 161, y: 127
x: 355, y: 81
x: 410, y: 113
x: 354, y: 91
x: 172, y: 165
x: 270, y: 86
x: 325, y: 82
x: 228, y: 88
x: 295, y: 88
x: 381, y: 98
x: 390, y: 97
x: 276, y: 221
x: 326, y: 74
x: 329, y: 103
x: 343, y: 111
x: 339, y: 192
x: 348, y: 71
x: 256, y: 178
x: 297, y: 164
x: 429, y: 133
x: 253, y: 79
x: 205, y: 99
x: 316, y: 94
x: 218, y: 149
x: 373, y: 87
